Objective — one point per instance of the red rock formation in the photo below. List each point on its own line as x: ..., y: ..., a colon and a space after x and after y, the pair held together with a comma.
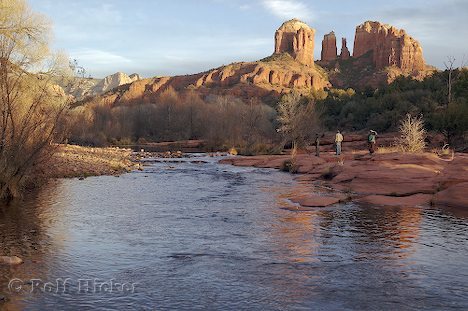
x: 254, y: 79
x: 390, y: 47
x: 266, y: 79
x: 297, y: 39
x: 329, y: 51
x: 344, y: 50
x: 392, y: 179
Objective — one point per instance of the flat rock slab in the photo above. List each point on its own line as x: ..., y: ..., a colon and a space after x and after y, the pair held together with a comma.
x: 393, y: 187
x: 453, y: 196
x: 314, y: 200
x: 13, y: 260
x: 384, y: 200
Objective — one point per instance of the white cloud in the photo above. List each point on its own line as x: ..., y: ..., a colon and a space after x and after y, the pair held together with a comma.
x: 286, y: 9
x: 98, y: 57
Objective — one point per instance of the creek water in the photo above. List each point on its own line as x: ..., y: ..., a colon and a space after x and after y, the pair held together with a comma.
x: 193, y: 236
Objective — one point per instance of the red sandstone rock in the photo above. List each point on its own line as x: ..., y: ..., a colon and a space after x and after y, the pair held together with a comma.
x: 389, y: 46
x: 453, y: 196
x: 267, y: 78
x: 383, y: 200
x: 329, y: 51
x: 391, y: 179
x: 297, y: 39
x: 313, y: 200
x: 455, y: 172
x: 345, y: 54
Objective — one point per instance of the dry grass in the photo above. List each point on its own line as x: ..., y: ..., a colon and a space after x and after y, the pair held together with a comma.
x: 388, y: 149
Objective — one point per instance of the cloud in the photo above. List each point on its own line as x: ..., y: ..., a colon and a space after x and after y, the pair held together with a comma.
x: 98, y: 57
x: 288, y: 9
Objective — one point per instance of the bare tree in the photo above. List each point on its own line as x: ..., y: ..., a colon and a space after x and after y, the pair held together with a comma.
x: 298, y: 118
x: 31, y: 106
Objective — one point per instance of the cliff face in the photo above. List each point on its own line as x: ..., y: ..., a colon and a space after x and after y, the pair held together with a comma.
x: 381, y: 54
x: 344, y: 50
x: 290, y: 67
x: 389, y: 47
x: 329, y: 51
x: 297, y: 39
x: 266, y: 79
x: 87, y: 87
x: 113, y: 81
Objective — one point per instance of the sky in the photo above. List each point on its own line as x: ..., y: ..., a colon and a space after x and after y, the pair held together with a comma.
x: 175, y: 37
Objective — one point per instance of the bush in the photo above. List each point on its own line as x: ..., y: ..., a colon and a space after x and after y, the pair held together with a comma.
x: 289, y: 166
x: 412, y: 135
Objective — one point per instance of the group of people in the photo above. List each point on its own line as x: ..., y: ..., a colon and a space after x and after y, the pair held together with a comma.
x: 371, y: 139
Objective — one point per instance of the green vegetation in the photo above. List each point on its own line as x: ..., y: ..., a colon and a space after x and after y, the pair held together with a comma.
x: 225, y: 121
x: 383, y: 109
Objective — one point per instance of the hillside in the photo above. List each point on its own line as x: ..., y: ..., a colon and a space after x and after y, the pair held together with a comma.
x: 381, y: 54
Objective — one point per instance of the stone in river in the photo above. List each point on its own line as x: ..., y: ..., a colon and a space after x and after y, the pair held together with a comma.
x: 10, y: 260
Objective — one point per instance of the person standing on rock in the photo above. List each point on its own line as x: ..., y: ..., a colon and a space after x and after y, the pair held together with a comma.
x: 371, y: 141
x: 317, y: 145
x: 338, y: 141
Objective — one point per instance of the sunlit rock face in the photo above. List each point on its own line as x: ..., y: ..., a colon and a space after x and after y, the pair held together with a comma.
x: 297, y: 39
x: 113, y: 81
x: 389, y: 47
x: 329, y: 51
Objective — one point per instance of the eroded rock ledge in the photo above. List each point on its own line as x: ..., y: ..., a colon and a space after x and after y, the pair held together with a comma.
x: 391, y: 179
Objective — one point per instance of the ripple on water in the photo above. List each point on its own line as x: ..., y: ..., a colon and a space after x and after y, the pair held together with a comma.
x: 208, y: 236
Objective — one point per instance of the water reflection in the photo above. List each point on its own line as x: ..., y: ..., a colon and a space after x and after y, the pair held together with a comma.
x: 200, y: 236
x: 23, y: 233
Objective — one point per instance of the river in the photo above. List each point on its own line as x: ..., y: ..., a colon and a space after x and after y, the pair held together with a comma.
x: 197, y: 236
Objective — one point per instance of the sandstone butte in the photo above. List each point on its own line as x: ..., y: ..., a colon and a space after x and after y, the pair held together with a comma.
x: 291, y: 66
x: 392, y: 179
x: 389, y: 47
x: 381, y: 53
x: 297, y: 39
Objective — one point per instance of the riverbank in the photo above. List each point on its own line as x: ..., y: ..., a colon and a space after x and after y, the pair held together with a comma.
x: 76, y: 161
x: 385, y: 179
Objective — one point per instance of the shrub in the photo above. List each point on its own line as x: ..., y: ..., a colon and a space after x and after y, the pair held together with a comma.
x: 289, y: 166
x: 412, y: 134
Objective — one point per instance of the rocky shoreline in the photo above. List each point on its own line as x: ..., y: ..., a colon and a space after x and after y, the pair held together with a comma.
x: 71, y: 161
x: 387, y: 179
x: 76, y: 161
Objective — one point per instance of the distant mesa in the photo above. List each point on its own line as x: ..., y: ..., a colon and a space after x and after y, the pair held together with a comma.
x: 113, y: 81
x: 89, y: 87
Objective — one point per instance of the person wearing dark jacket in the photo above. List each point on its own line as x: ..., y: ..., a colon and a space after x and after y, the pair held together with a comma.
x: 317, y: 144
x: 371, y: 141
